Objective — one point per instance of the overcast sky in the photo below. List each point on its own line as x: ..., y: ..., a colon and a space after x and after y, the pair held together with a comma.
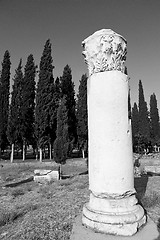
x: 25, y: 25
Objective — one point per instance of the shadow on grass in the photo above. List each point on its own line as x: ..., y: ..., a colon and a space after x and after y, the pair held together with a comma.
x: 158, y: 228
x: 140, y: 184
x: 65, y: 176
x: 15, y: 184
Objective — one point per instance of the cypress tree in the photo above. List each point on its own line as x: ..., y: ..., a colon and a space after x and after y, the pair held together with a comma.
x: 61, y: 144
x: 129, y: 97
x: 143, y: 116
x: 53, y: 104
x: 4, y: 99
x: 28, y: 102
x: 67, y: 91
x: 57, y: 92
x: 82, y: 114
x: 15, y: 118
x: 43, y: 97
x: 56, y: 95
x: 135, y: 125
x: 135, y: 120
x: 125, y: 71
x: 129, y: 105
x: 154, y: 120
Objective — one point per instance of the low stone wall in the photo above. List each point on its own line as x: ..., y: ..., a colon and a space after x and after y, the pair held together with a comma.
x: 152, y: 169
x: 148, y: 160
x: 148, y: 163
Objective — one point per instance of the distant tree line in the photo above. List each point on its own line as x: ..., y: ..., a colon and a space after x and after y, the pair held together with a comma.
x: 145, y: 123
x: 48, y: 116
x: 45, y: 115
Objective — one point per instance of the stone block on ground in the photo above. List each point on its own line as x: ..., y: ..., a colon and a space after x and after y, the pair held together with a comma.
x: 45, y: 176
x: 153, y: 169
x: 79, y: 232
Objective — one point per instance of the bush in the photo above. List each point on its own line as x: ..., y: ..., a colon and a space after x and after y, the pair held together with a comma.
x: 61, y: 150
x: 17, y: 192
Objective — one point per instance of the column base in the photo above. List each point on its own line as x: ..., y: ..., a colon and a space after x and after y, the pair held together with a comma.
x: 80, y: 232
x: 114, y: 216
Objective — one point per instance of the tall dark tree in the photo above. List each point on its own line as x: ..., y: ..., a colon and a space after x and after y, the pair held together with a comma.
x: 154, y: 120
x: 52, y: 108
x: 43, y: 97
x: 129, y: 104
x: 57, y: 91
x: 125, y: 71
x: 82, y: 114
x: 15, y: 117
x: 135, y: 120
x: 28, y: 102
x: 4, y: 99
x: 67, y: 90
x: 62, y: 143
x: 135, y: 126
x: 144, y: 128
x: 55, y: 95
x: 129, y: 96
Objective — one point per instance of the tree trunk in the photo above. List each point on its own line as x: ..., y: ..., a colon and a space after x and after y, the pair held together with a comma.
x: 24, y: 150
x: 50, y: 151
x: 36, y: 154
x: 44, y: 153
x: 83, y: 155
x: 12, y: 152
x: 40, y: 154
x: 60, y: 171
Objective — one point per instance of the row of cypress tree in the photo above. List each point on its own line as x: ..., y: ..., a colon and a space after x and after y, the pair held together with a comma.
x: 145, y: 123
x: 45, y: 114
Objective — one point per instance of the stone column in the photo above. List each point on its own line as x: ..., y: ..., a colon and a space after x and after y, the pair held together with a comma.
x: 113, y: 207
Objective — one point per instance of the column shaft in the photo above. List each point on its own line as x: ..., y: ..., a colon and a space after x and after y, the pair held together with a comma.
x: 110, y: 149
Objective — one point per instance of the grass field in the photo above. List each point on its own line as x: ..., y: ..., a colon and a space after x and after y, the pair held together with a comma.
x: 34, y: 212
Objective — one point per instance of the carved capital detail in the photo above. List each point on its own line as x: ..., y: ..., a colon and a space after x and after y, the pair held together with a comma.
x: 105, y: 50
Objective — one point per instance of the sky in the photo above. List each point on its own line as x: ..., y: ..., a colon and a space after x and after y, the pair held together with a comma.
x: 25, y: 25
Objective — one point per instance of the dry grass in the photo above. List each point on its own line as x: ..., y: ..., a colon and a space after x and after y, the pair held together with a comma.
x: 35, y: 212
x: 31, y: 211
x: 151, y: 200
x: 46, y: 212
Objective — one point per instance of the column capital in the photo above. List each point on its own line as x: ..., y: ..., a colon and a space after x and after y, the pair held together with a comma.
x: 105, y: 50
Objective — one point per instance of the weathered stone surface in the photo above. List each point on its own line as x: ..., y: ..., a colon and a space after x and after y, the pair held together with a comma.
x: 118, y: 223
x: 110, y: 149
x: 111, y: 177
x: 112, y: 207
x: 45, y: 176
x: 105, y: 50
x: 40, y: 172
x: 80, y: 232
